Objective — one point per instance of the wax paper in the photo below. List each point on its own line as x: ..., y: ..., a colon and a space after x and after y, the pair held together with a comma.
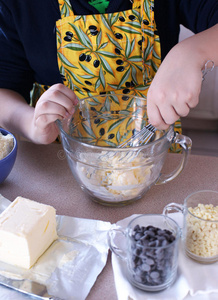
x: 70, y: 266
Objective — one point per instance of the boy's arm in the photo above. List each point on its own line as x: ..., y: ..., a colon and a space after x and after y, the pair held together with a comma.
x: 15, y: 113
x: 36, y: 124
x: 177, y: 84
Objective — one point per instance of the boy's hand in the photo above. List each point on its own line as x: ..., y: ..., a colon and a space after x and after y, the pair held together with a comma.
x: 175, y: 88
x: 56, y: 103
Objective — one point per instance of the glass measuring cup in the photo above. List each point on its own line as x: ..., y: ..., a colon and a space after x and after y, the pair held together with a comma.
x: 149, y: 248
x: 200, y: 225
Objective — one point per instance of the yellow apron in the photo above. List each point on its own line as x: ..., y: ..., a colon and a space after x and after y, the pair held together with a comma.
x: 108, y: 53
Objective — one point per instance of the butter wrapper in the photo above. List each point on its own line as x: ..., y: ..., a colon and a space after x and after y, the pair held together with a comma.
x: 70, y: 266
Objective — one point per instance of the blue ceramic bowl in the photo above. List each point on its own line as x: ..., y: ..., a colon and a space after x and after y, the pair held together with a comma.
x: 7, y: 163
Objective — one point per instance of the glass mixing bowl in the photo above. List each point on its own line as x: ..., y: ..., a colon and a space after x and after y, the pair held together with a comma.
x: 111, y: 175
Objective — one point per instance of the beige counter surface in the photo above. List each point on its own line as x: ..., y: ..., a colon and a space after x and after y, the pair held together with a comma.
x: 41, y: 173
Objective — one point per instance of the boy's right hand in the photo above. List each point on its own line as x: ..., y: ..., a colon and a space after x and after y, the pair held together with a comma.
x: 56, y: 103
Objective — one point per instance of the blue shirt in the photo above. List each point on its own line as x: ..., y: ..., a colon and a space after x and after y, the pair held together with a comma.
x: 28, y: 39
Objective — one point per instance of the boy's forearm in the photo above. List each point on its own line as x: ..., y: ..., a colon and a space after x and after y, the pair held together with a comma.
x: 202, y: 46
x: 15, y: 114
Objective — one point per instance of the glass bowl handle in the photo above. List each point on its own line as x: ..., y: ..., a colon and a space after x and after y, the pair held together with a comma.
x: 173, y: 207
x: 114, y: 247
x: 186, y: 144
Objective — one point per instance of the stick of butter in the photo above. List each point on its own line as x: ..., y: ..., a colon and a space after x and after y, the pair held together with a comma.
x: 27, y: 229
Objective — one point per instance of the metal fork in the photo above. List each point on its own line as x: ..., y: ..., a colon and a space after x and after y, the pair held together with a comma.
x: 146, y: 133
x: 140, y: 138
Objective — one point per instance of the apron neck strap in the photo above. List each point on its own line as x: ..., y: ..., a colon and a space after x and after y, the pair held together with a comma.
x: 65, y: 8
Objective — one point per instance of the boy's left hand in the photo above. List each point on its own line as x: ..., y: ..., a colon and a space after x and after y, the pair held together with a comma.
x: 175, y: 88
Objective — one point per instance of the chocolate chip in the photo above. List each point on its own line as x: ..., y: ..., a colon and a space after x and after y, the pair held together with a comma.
x: 145, y: 267
x: 155, y: 275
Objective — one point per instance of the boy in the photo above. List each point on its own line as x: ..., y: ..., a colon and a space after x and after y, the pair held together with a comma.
x: 111, y: 46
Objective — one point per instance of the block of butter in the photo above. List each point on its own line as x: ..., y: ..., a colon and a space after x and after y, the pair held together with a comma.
x: 27, y: 229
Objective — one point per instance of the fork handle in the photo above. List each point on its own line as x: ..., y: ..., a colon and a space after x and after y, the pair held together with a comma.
x: 206, y: 69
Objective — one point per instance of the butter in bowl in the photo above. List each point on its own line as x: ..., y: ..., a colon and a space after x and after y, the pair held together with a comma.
x: 8, y: 153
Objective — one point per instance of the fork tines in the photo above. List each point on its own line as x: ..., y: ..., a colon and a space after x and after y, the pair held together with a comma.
x: 141, y: 137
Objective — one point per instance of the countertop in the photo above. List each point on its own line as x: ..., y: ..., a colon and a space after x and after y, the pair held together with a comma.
x: 41, y: 173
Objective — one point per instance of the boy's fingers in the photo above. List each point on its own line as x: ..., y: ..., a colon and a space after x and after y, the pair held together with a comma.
x: 155, y: 117
x: 62, y: 95
x: 50, y: 108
